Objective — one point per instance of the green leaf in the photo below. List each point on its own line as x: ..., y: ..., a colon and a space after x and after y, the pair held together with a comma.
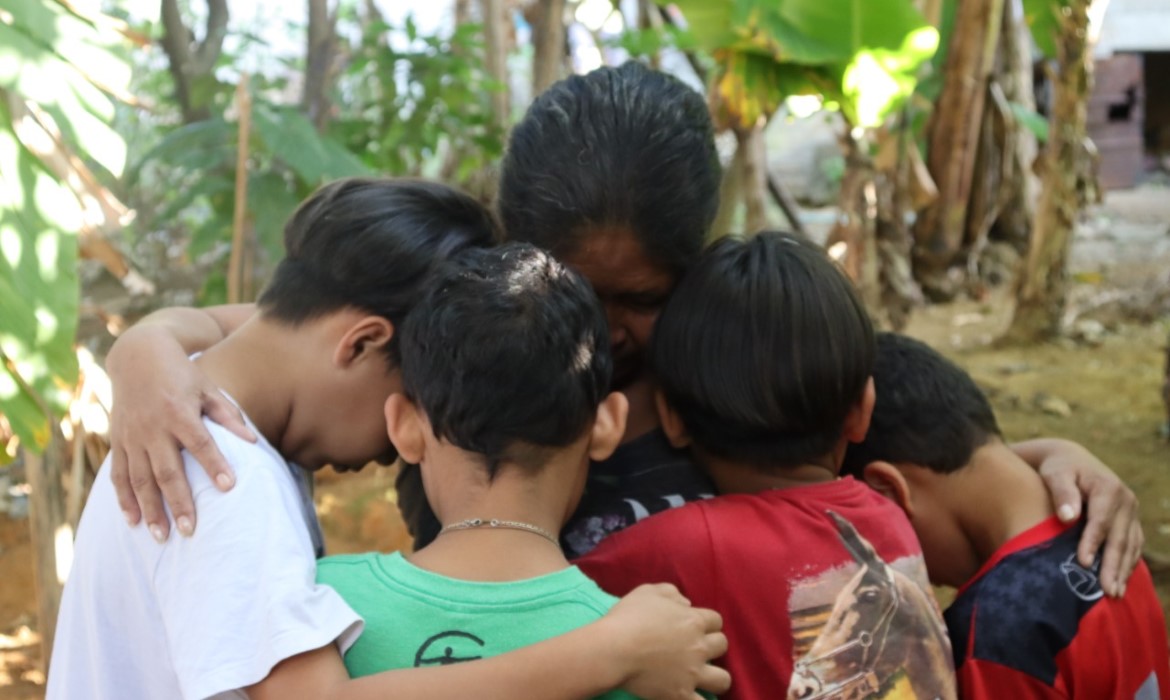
x: 271, y: 200
x: 1031, y: 120
x: 709, y: 22
x: 61, y: 62
x: 315, y: 158
x: 879, y: 81
x: 749, y: 87
x: 1043, y: 18
x: 39, y: 290
x: 193, y: 147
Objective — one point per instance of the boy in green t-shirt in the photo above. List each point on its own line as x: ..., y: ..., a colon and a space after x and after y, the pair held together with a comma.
x: 505, y: 374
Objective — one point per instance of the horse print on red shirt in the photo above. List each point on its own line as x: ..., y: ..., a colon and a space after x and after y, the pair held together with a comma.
x: 868, y: 629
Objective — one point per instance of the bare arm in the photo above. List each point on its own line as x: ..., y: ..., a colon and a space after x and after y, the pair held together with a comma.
x: 652, y: 644
x: 159, y: 401
x: 1074, y: 474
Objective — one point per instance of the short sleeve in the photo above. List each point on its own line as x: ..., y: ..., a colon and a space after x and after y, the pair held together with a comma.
x: 240, y: 596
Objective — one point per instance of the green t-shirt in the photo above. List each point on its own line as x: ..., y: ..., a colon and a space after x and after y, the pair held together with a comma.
x: 418, y: 618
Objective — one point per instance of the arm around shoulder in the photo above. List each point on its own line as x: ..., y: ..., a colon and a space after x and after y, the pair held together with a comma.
x: 653, y: 645
x: 160, y: 398
x: 1073, y: 474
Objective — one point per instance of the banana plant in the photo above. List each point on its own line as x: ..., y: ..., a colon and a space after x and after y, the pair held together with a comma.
x: 862, y: 56
x: 60, y: 75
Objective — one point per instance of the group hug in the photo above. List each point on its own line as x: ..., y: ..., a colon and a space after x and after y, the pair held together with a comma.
x: 635, y: 464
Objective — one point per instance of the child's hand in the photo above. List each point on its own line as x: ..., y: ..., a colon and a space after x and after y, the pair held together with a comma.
x: 1073, y: 474
x: 160, y: 398
x: 667, y: 645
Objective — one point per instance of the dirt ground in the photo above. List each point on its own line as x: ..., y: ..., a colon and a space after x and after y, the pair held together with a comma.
x: 1101, y: 389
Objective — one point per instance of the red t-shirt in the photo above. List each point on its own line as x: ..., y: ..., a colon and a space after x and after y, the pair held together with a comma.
x: 822, y: 589
x: 1034, y: 623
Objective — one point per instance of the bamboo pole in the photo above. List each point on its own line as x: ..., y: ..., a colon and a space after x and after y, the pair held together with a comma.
x: 235, y: 280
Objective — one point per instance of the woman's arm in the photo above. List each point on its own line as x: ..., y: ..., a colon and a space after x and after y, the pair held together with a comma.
x: 652, y: 645
x: 1073, y: 474
x: 160, y: 398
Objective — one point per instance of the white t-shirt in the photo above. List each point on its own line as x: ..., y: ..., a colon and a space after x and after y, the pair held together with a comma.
x: 197, y: 617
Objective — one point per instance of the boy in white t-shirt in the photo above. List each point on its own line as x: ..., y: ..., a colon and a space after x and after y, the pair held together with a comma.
x: 235, y: 611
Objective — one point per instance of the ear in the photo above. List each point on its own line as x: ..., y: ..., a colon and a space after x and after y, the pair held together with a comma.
x: 672, y: 423
x: 888, y: 480
x: 857, y: 420
x: 405, y: 426
x: 609, y: 426
x: 361, y: 339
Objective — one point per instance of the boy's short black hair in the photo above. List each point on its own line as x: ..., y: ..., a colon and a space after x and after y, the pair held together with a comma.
x: 623, y: 147
x: 508, y: 354
x: 763, y: 349
x: 371, y: 244
x: 928, y: 412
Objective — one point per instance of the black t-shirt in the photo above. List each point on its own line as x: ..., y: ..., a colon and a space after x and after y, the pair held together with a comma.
x: 643, y: 477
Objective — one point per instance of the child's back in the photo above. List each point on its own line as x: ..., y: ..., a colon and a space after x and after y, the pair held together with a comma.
x: 416, y: 617
x: 1029, y: 620
x: 802, y: 591
x: 505, y: 369
x: 764, y: 355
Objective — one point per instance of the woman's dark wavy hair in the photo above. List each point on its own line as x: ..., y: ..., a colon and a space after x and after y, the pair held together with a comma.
x: 622, y: 147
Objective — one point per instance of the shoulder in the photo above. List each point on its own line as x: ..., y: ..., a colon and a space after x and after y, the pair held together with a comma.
x: 1027, y: 609
x: 669, y: 547
x: 340, y: 569
x: 253, y: 463
x: 591, y: 595
x: 669, y: 529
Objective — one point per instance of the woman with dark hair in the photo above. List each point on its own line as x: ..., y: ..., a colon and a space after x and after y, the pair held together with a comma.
x: 616, y: 173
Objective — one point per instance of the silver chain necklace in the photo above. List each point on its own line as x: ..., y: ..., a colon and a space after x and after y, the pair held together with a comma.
x: 472, y: 523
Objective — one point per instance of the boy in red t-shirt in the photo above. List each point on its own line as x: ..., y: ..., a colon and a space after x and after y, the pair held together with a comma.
x: 764, y: 355
x: 1029, y: 621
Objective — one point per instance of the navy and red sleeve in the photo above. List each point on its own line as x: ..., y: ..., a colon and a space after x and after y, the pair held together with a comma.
x: 988, y: 680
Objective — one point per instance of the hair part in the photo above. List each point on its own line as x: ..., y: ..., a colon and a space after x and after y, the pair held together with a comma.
x: 763, y: 350
x: 624, y: 147
x: 928, y: 411
x: 508, y: 355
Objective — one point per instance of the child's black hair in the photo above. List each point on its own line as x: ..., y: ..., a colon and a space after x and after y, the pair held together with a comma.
x: 371, y: 244
x: 508, y: 354
x: 928, y: 412
x: 763, y: 349
x: 622, y: 147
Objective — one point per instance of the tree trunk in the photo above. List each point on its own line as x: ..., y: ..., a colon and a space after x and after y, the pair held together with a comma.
x: 954, y: 133
x: 495, y: 29
x: 321, y: 37
x: 870, y: 238
x: 730, y: 195
x: 755, y: 177
x: 786, y: 203
x: 1021, y: 187
x: 193, y: 62
x: 988, y: 193
x: 899, y: 292
x: 548, y: 40
x: 49, y: 530
x: 852, y: 239
x: 1043, y: 282
x: 1166, y: 389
